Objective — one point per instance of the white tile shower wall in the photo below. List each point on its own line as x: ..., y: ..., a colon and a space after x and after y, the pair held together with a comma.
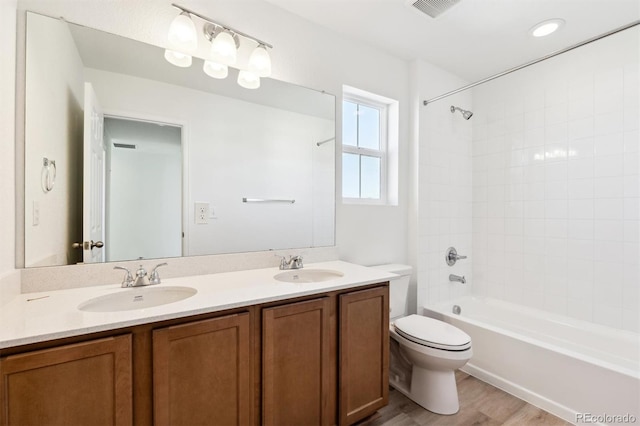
x: 444, y: 190
x: 555, y: 184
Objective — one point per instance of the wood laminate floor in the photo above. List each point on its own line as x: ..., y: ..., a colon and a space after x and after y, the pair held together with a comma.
x: 480, y: 404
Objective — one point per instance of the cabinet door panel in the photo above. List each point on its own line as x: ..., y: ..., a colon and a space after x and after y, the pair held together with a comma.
x: 364, y: 353
x: 296, y: 364
x: 84, y: 383
x: 201, y: 372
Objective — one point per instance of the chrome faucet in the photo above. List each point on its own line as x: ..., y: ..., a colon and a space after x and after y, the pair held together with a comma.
x: 140, y: 274
x: 457, y: 278
x: 127, y: 281
x: 154, y: 278
x: 452, y: 256
x: 294, y: 262
x: 139, y: 281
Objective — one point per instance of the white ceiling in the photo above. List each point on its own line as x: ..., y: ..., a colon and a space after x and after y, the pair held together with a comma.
x: 475, y: 38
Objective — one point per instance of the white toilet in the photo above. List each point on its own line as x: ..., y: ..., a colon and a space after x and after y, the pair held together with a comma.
x: 425, y: 352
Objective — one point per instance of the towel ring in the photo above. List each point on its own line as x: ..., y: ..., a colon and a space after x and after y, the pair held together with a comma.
x: 48, y: 175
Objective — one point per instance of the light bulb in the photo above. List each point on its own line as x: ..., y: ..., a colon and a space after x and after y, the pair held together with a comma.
x: 223, y: 48
x: 177, y: 58
x: 215, y: 70
x: 248, y: 80
x: 182, y: 33
x: 260, y: 62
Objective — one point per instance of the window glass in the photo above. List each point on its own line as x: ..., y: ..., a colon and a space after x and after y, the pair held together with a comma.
x: 365, y: 139
x: 368, y: 127
x: 350, y: 175
x: 349, y: 123
x: 370, y: 177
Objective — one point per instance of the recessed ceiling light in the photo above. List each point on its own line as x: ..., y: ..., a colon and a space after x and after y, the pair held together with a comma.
x: 547, y: 27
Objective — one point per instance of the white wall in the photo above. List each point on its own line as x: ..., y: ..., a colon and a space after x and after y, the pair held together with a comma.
x: 315, y: 58
x: 54, y: 105
x: 7, y: 138
x: 555, y: 171
x: 235, y: 149
x: 444, y: 186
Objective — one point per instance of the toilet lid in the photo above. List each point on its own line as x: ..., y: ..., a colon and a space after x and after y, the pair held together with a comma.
x: 433, y: 333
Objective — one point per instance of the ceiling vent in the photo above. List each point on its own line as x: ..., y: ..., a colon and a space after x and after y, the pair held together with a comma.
x: 434, y: 8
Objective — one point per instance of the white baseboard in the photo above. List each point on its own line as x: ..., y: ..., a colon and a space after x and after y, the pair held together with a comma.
x: 532, y: 398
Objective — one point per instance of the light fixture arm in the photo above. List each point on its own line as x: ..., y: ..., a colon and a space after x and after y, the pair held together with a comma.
x: 211, y: 30
x: 233, y: 30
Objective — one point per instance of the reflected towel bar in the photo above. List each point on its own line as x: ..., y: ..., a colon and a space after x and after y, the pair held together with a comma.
x: 262, y: 200
x: 324, y: 141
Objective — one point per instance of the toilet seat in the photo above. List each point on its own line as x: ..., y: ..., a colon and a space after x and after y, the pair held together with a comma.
x: 430, y: 332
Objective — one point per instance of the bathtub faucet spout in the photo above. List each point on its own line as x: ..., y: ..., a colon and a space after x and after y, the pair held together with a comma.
x: 457, y: 278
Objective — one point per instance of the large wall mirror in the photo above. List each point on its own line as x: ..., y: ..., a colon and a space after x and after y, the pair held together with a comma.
x: 128, y: 156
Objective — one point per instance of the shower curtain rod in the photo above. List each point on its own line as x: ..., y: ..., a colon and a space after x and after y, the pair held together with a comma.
x: 535, y: 61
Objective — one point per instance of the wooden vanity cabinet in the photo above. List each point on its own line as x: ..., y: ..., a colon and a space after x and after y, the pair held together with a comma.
x: 297, y: 363
x: 86, y: 383
x: 314, y: 360
x: 364, y: 353
x: 326, y: 361
x: 201, y: 372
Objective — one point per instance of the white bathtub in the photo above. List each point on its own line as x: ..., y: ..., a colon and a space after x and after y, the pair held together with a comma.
x: 571, y: 368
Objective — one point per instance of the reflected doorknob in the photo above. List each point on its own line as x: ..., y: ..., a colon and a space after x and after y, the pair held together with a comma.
x: 88, y: 245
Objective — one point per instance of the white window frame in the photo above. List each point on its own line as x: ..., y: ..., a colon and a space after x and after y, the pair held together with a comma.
x: 381, y: 153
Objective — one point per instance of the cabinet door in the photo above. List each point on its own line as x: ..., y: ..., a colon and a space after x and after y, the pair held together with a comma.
x: 296, y: 364
x: 201, y: 372
x: 80, y: 384
x: 364, y: 353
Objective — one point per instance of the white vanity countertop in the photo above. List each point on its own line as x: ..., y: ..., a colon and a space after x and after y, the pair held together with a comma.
x: 55, y: 314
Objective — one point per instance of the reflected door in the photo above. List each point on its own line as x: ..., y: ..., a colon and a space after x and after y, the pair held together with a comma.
x: 93, y: 177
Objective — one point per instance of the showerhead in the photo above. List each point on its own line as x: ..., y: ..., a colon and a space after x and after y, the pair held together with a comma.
x: 466, y: 114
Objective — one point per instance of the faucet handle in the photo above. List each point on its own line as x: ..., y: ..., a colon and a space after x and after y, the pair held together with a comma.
x: 452, y: 256
x: 127, y: 281
x: 283, y: 261
x: 154, y: 278
x: 296, y: 261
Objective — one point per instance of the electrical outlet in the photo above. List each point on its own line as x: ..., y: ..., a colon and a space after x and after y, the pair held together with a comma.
x: 202, y: 213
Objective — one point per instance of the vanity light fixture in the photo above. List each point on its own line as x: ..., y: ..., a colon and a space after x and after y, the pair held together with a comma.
x: 260, y: 62
x: 215, y: 70
x: 182, y: 38
x: 248, y: 80
x: 225, y: 42
x: 224, y: 48
x: 178, y: 59
x: 547, y: 27
x: 182, y: 33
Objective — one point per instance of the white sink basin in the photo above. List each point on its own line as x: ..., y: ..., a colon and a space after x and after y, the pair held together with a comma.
x: 137, y: 298
x: 308, y: 275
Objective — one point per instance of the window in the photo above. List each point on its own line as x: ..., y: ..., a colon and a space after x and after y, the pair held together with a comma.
x: 364, y: 149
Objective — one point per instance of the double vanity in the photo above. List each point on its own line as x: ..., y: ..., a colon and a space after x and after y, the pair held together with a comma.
x: 307, y: 346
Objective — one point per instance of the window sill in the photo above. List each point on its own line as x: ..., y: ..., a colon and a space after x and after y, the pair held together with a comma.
x: 366, y: 202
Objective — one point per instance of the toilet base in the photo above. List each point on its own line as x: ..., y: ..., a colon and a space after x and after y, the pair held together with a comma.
x: 435, y: 390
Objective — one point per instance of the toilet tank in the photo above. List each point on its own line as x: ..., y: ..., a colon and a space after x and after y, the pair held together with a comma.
x: 398, y: 288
